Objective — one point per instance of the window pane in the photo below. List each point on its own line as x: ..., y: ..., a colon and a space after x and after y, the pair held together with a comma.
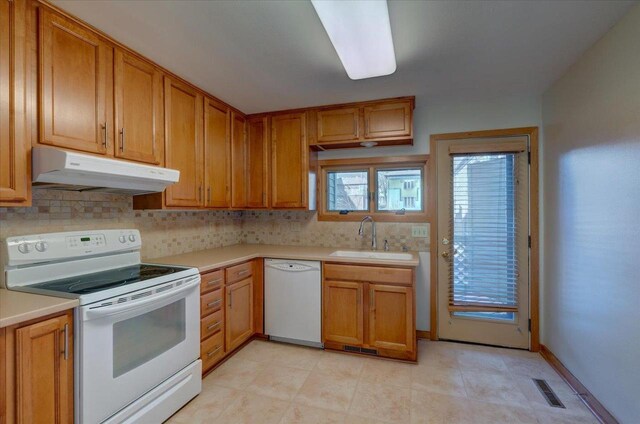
x: 399, y: 189
x: 347, y: 191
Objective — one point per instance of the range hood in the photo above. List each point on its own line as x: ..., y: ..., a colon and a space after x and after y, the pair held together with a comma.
x: 59, y: 169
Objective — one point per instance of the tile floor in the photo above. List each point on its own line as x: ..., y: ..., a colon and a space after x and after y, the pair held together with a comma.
x: 269, y: 382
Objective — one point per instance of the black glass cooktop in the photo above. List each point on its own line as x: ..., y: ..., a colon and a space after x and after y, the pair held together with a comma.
x: 104, y: 280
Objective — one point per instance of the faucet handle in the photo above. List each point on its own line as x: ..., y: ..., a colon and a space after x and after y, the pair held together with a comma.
x: 404, y: 248
x: 386, y: 245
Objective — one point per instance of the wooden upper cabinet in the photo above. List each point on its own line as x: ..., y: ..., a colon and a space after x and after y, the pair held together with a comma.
x: 76, y: 77
x: 342, y: 312
x: 217, y: 154
x: 44, y: 371
x: 341, y: 124
x: 257, y: 162
x: 238, y: 161
x: 391, y: 317
x: 289, y: 161
x: 388, y: 120
x: 138, y: 99
x: 14, y: 178
x: 238, y: 313
x: 184, y: 151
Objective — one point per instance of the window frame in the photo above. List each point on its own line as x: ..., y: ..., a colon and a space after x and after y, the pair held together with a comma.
x: 372, y: 165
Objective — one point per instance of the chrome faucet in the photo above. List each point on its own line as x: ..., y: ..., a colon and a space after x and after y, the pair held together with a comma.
x: 374, y: 243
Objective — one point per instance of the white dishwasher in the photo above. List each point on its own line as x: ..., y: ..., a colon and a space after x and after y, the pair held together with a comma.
x: 292, y: 301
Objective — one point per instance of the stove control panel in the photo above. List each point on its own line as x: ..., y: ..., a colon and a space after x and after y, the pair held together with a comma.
x: 37, y: 248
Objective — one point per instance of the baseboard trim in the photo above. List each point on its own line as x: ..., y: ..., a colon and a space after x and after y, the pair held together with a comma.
x: 585, y: 395
x: 423, y: 334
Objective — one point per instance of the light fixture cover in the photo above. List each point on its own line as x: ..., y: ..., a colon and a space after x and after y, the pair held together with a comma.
x: 360, y: 31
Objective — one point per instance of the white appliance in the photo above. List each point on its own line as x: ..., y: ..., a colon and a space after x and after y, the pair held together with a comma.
x: 293, y: 298
x: 54, y: 168
x: 137, y: 329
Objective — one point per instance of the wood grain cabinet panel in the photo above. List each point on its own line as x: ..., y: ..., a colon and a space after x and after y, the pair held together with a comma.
x: 44, y: 371
x: 238, y: 313
x: 183, y: 151
x: 14, y: 177
x: 257, y: 163
x: 289, y: 161
x: 388, y: 120
x: 76, y: 79
x: 138, y: 99
x: 341, y: 124
x: 391, y: 317
x: 342, y: 309
x: 238, y: 161
x: 217, y: 154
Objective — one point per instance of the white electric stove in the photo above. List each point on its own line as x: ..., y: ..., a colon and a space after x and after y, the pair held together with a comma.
x: 137, y: 328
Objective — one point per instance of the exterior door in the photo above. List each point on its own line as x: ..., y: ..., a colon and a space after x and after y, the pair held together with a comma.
x: 44, y: 359
x: 76, y: 73
x: 483, y: 231
x: 289, y: 161
x: 183, y: 124
x: 257, y: 163
x: 391, y: 317
x: 342, y: 309
x: 217, y: 154
x: 239, y: 313
x: 138, y: 96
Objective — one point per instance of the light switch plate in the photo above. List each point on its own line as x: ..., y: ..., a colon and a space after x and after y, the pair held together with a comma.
x: 420, y: 231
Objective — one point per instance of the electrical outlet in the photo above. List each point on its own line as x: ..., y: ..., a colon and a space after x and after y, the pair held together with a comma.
x: 420, y: 231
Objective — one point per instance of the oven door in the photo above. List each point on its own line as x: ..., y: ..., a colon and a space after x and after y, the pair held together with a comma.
x: 130, y: 344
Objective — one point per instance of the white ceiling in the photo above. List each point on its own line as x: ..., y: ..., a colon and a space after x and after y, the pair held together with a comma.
x: 270, y: 55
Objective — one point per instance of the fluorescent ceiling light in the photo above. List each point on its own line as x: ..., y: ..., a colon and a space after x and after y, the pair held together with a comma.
x: 361, y: 34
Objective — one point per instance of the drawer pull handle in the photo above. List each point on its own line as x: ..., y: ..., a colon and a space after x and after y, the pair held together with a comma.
x: 214, y: 303
x: 243, y: 272
x: 213, y: 352
x: 216, y: 281
x: 212, y: 326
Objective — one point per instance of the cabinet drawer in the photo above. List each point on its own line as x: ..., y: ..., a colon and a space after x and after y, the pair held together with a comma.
x: 211, y: 350
x: 239, y: 272
x: 375, y: 274
x: 210, y: 302
x: 211, y: 281
x: 211, y: 324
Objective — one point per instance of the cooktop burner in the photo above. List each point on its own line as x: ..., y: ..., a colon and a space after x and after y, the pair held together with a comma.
x: 98, y: 281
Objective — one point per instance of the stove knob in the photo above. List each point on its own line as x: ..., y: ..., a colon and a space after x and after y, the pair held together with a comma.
x: 24, y: 248
x: 41, y: 246
x: 132, y: 238
x: 122, y: 239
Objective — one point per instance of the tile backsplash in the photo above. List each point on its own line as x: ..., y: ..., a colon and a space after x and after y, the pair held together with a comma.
x: 174, y: 232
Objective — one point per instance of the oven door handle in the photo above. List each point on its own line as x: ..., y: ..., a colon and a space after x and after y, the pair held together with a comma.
x: 104, y: 311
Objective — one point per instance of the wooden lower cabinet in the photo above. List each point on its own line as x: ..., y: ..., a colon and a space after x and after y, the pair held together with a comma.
x: 239, y: 312
x: 37, y: 371
x: 362, y: 314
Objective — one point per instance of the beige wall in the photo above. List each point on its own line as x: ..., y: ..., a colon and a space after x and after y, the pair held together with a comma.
x: 591, y: 299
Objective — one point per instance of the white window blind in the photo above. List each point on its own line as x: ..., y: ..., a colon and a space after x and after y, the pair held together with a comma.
x: 484, y: 229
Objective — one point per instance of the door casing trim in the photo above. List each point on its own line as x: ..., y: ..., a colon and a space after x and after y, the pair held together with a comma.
x: 534, y: 217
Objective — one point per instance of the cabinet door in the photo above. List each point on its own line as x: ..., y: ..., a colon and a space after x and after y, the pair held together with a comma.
x: 138, y: 97
x: 238, y: 161
x: 183, y: 151
x: 217, y: 154
x: 289, y: 161
x: 238, y: 313
x: 391, y: 317
x: 342, y: 309
x: 44, y: 371
x: 257, y: 163
x: 388, y: 120
x: 14, y: 179
x: 338, y: 124
x: 76, y: 75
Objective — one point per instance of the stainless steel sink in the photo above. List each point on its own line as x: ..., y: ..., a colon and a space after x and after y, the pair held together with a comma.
x: 372, y: 255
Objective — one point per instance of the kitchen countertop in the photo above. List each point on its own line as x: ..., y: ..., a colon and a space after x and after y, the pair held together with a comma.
x: 16, y: 307
x: 210, y: 259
